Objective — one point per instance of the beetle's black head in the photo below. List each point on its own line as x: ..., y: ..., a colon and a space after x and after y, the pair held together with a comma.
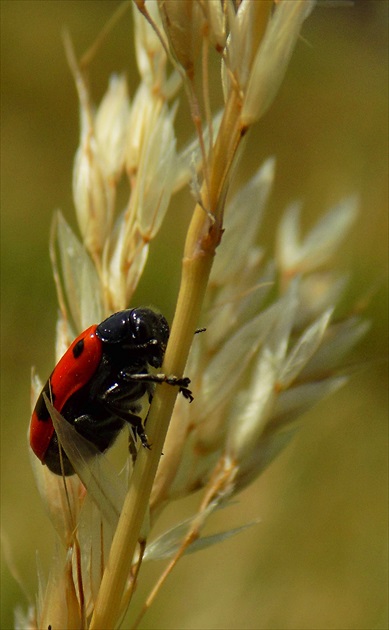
x: 139, y: 331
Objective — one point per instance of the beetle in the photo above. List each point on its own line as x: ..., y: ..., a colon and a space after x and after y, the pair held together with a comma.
x: 104, y: 380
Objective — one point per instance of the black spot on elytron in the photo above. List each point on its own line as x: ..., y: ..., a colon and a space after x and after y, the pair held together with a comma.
x: 78, y: 348
x: 40, y: 408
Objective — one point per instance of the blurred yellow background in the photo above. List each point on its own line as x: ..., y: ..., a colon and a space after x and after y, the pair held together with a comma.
x: 318, y: 559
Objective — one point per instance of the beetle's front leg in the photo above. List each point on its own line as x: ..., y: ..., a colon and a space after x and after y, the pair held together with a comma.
x: 182, y: 383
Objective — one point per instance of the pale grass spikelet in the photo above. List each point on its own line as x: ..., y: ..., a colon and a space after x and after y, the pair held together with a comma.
x: 183, y: 23
x: 25, y: 620
x: 215, y: 20
x: 247, y: 27
x: 155, y: 172
x: 92, y: 196
x: 272, y: 347
x: 151, y: 164
x: 110, y: 123
x: 319, y: 246
x: 145, y: 110
x: 151, y: 53
x: 59, y: 600
x: 80, y: 280
x: 97, y: 164
x: 272, y: 57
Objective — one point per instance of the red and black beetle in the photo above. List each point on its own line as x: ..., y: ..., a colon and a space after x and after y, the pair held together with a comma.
x: 102, y: 382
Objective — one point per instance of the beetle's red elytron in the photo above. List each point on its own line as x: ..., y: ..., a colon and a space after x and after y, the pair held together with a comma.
x: 102, y: 382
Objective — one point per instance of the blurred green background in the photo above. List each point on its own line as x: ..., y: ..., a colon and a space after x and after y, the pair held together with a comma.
x: 318, y: 559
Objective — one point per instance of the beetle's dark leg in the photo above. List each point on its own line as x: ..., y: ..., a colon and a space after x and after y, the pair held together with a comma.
x: 131, y: 445
x: 136, y: 422
x: 182, y: 383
